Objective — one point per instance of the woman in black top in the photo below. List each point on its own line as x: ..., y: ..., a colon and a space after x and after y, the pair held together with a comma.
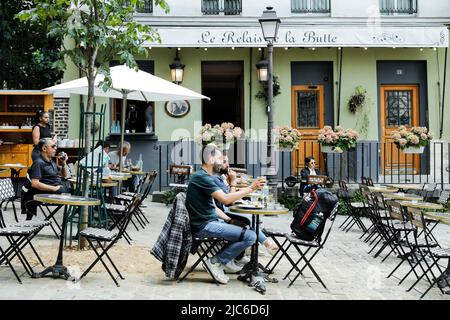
x: 40, y: 130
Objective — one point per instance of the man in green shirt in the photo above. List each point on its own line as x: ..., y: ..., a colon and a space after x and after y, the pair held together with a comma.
x: 209, y: 221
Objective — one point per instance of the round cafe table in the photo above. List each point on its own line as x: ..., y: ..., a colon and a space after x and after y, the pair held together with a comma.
x: 422, y: 205
x: 58, y: 270
x: 383, y: 189
x: 404, y: 187
x: 402, y: 196
x: 252, y: 271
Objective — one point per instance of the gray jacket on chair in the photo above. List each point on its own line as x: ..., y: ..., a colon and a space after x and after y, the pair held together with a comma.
x: 174, y: 242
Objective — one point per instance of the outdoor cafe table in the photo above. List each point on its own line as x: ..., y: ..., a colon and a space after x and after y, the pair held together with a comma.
x: 404, y: 187
x: 59, y: 270
x: 104, y: 184
x: 402, y: 196
x: 422, y: 205
x: 383, y: 189
x: 252, y: 268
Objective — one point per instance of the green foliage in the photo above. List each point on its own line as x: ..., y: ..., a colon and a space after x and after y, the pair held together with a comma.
x: 97, y: 31
x: 28, y: 56
x: 288, y: 201
x: 170, y: 195
x: 263, y: 93
x: 357, y: 99
x: 344, y: 209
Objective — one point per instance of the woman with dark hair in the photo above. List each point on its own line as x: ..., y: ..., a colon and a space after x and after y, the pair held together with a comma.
x: 40, y: 130
x: 309, y: 170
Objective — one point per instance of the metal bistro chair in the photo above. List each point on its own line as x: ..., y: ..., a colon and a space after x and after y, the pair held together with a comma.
x: 276, y: 235
x: 126, y: 198
x: 204, y: 248
x: 7, y: 194
x: 367, y: 181
x: 111, y: 237
x: 430, y: 253
x: 428, y: 191
x: 431, y: 222
x: 387, y: 234
x: 355, y: 209
x: 19, y: 235
x: 315, y: 245
x: 179, y: 174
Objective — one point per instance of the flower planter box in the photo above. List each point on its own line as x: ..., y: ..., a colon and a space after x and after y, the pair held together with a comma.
x: 327, y: 149
x: 414, y: 150
x: 285, y: 149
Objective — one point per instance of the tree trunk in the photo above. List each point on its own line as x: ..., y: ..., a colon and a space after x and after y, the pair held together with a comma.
x: 87, y: 147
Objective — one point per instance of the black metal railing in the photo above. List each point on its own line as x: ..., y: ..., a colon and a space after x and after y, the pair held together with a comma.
x: 369, y: 159
x: 226, y: 7
x: 398, y: 6
x: 310, y: 6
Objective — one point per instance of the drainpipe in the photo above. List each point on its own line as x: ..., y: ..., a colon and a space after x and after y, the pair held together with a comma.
x: 339, y: 88
x: 443, y: 94
x: 250, y: 92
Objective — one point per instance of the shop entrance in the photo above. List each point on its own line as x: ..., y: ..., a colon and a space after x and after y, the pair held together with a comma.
x: 222, y: 81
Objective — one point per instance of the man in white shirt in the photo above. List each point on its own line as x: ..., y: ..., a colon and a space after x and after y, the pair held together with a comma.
x: 114, y: 156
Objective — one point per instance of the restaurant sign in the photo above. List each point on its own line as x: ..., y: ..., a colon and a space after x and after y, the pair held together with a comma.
x: 304, y: 37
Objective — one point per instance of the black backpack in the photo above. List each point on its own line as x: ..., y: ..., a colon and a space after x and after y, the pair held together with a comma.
x: 311, y: 213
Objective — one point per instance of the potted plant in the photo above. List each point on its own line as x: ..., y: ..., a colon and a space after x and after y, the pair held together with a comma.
x: 287, y: 137
x: 222, y: 135
x: 337, y: 140
x: 263, y: 94
x: 413, y: 140
x: 357, y: 99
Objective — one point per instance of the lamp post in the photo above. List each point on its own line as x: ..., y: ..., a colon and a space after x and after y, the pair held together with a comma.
x: 269, y: 25
x: 176, y: 69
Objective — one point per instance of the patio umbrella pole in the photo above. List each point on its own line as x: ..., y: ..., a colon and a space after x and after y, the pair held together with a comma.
x: 122, y: 132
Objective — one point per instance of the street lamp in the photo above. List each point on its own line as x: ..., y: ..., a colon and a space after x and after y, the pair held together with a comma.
x: 269, y: 25
x: 176, y: 69
x: 263, y: 67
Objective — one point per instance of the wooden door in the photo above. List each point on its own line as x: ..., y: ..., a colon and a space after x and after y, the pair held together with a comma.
x: 308, y: 118
x: 399, y: 106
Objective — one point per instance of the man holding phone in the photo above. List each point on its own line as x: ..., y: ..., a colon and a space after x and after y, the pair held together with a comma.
x: 44, y: 176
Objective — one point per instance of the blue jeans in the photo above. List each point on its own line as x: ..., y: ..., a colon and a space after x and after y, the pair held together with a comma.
x: 262, y: 237
x: 231, y: 233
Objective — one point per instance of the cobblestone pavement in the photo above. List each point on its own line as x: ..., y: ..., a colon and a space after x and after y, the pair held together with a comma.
x: 344, y: 265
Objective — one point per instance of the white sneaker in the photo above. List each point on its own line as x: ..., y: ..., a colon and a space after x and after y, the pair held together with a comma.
x: 216, y: 270
x: 242, y: 262
x: 231, y: 267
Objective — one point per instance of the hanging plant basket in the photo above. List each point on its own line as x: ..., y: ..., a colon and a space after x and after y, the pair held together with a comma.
x: 357, y: 99
x: 414, y: 149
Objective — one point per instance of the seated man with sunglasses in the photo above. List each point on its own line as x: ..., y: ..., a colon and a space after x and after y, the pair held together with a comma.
x: 43, y: 177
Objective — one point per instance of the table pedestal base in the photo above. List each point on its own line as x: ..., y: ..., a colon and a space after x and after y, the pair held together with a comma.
x: 58, y: 271
x: 256, y: 279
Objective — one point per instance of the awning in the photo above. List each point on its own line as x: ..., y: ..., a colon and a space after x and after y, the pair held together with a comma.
x: 304, y: 36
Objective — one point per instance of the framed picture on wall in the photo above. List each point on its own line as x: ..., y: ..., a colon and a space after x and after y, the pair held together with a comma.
x: 177, y: 108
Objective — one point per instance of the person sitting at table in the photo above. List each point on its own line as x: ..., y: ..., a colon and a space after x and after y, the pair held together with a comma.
x: 40, y: 131
x: 226, y: 180
x: 43, y: 177
x: 114, y: 157
x: 206, y: 220
x: 309, y: 170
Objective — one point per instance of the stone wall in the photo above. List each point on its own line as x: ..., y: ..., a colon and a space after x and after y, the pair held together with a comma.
x: 61, y: 117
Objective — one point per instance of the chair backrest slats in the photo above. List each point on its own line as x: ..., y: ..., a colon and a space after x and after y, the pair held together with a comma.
x: 6, y: 189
